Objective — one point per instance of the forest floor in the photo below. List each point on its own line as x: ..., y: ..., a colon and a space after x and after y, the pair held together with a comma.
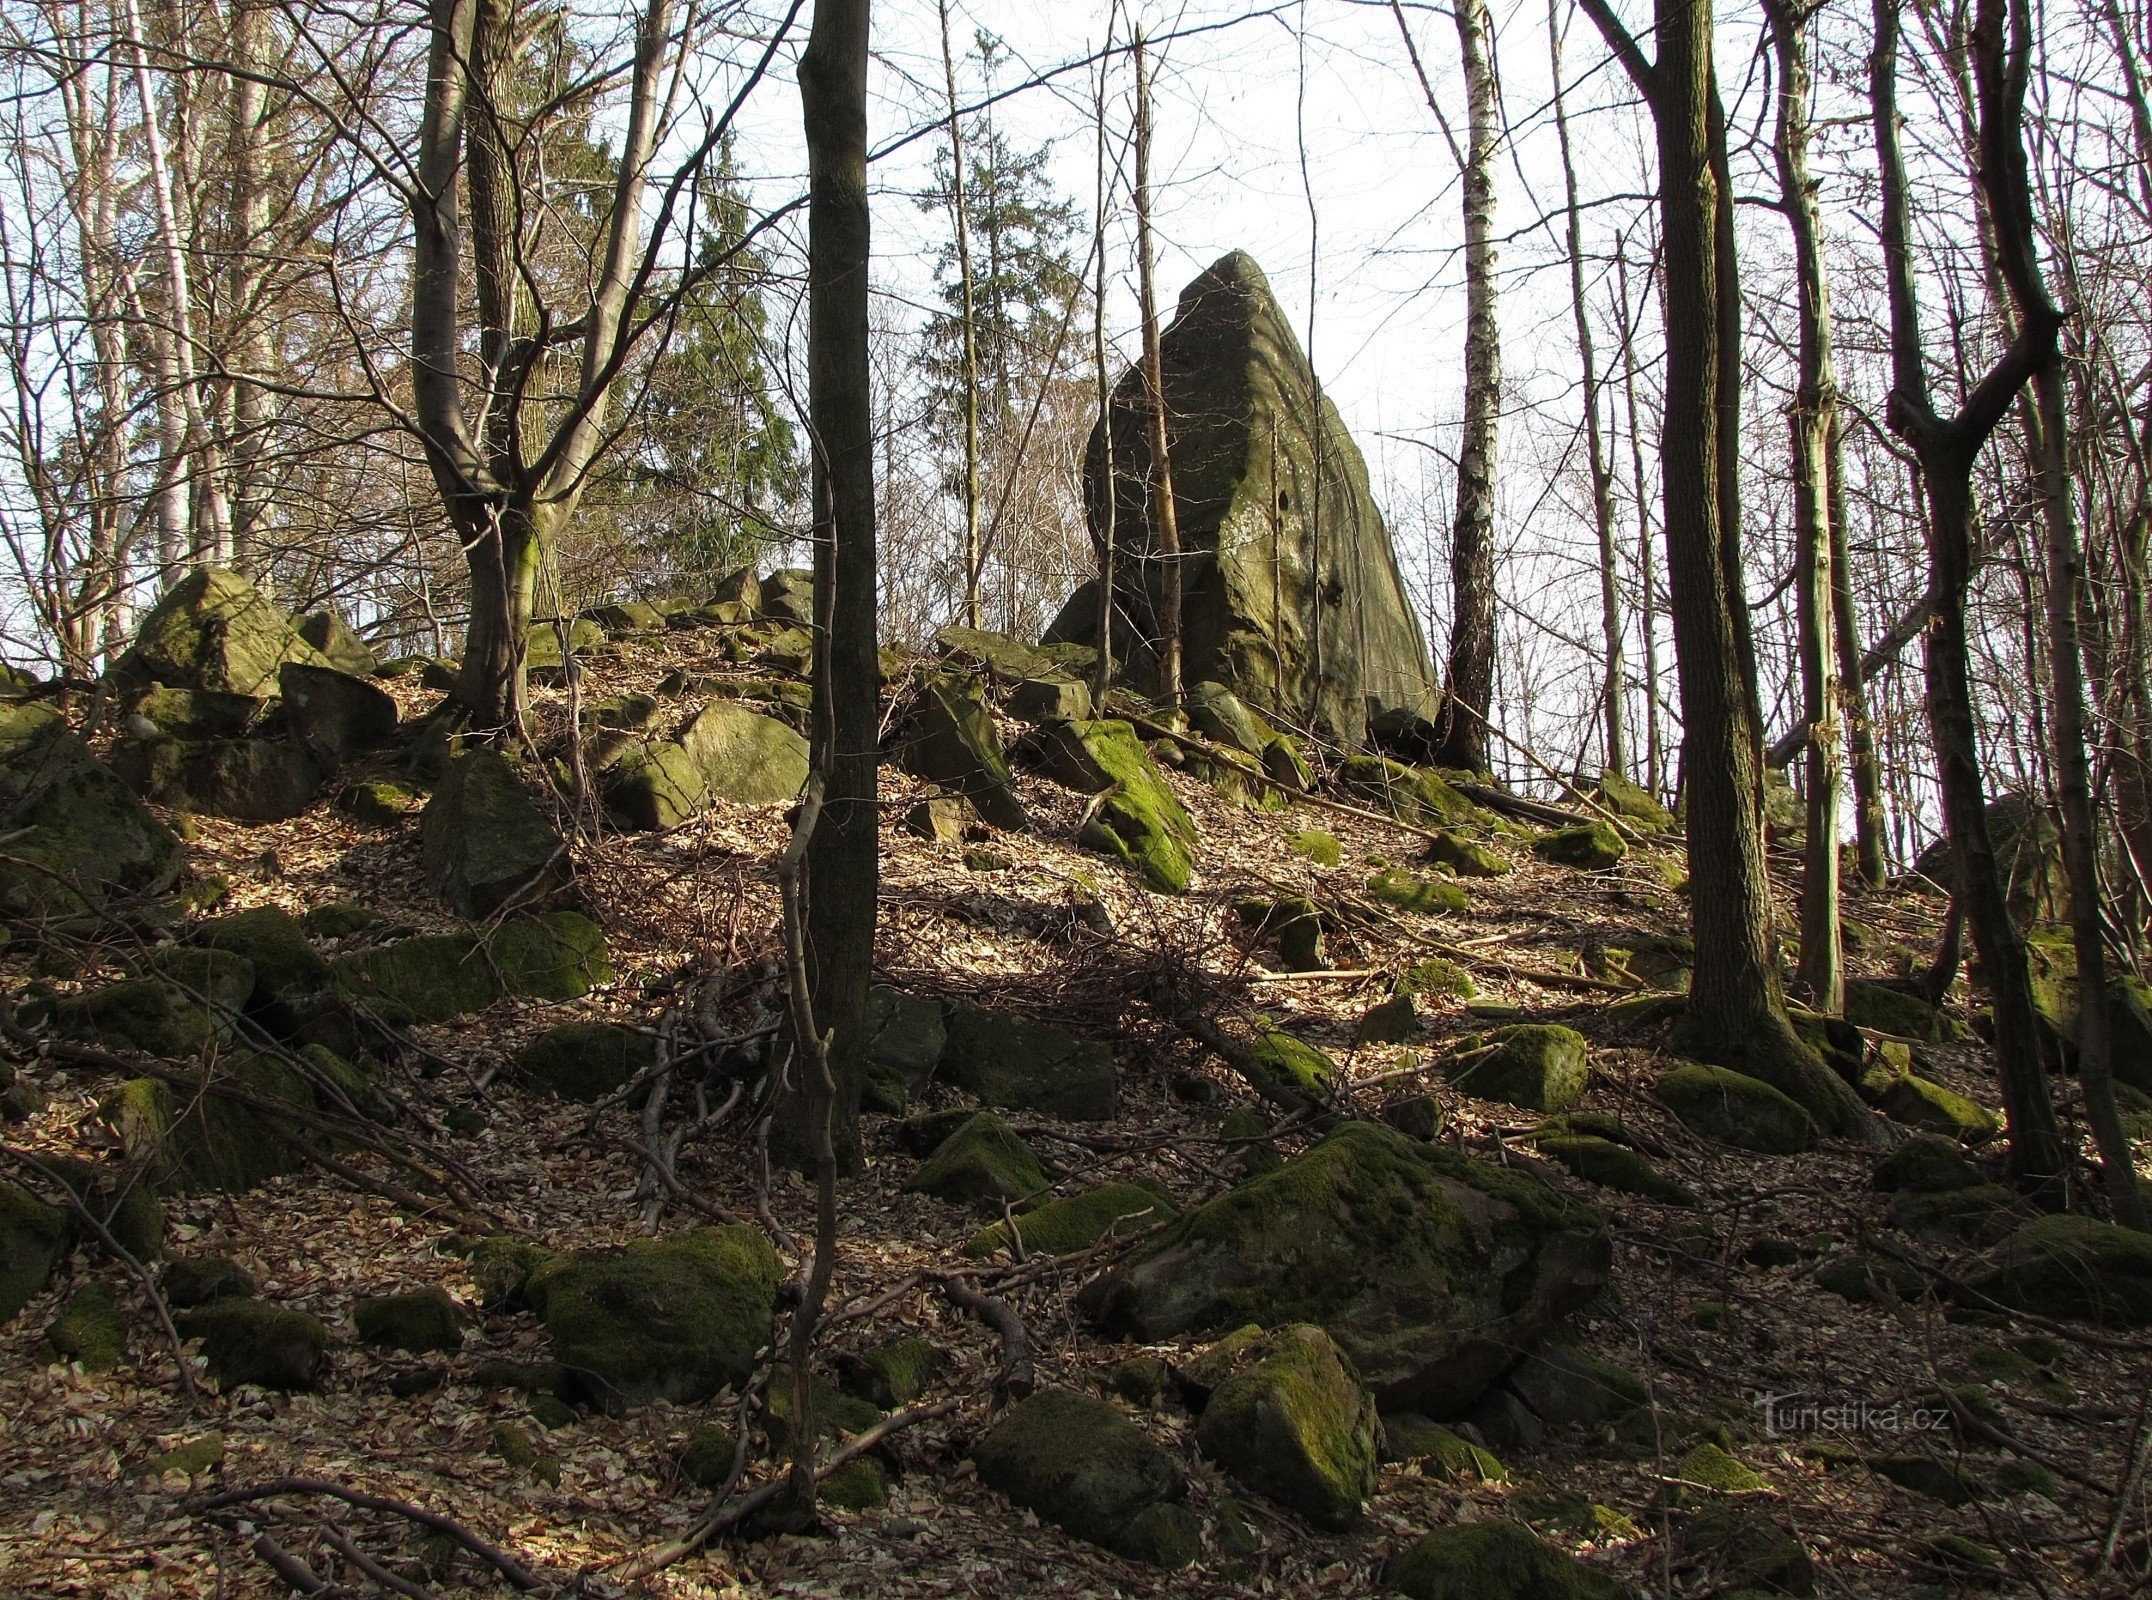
x: 1714, y: 1304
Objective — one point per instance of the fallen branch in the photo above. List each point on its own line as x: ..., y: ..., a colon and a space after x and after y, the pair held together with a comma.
x: 507, y: 1565
x: 1015, y: 1378
x: 297, y: 1575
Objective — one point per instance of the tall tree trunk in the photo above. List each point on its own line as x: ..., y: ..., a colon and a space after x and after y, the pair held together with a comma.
x: 1647, y: 580
x: 842, y: 874
x: 1735, y: 1015
x: 960, y: 211
x: 1946, y: 451
x: 1469, y: 674
x: 1165, y: 515
x: 1811, y: 421
x: 1617, y: 752
x: 1104, y: 501
x: 1853, y: 679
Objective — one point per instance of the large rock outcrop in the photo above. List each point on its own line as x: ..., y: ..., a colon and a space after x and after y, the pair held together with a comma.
x: 1291, y: 597
x: 75, y: 832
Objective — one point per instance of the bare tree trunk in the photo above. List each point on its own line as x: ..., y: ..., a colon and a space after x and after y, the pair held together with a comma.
x: 974, y: 557
x: 1165, y: 516
x: 1104, y: 500
x: 1853, y: 679
x: 1946, y: 452
x: 842, y: 867
x: 1735, y: 1015
x: 1594, y: 443
x: 1646, y: 568
x: 1811, y: 421
x: 1469, y: 672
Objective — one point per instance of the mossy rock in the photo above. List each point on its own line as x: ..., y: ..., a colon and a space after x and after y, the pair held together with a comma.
x: 91, y: 1331
x: 1713, y: 1467
x: 1653, y: 960
x: 676, y: 1318
x: 1410, y: 794
x: 2027, y: 1477
x: 1141, y: 821
x: 214, y: 630
x: 1435, y: 976
x: 542, y: 645
x: 1391, y: 1021
x: 197, y: 1280
x: 1925, y: 1164
x: 121, y: 1198
x: 338, y: 919
x: 502, y: 1267
x: 204, y: 1142
x: 439, y: 977
x: 1203, y: 1373
x: 982, y: 1163
x: 1865, y: 1278
x: 417, y: 1321
x: 1079, y: 1463
x: 1297, y: 1426
x: 1140, y: 1380
x: 2073, y: 1266
x: 203, y: 713
x: 859, y: 1485
x: 1742, y: 1549
x: 1438, y: 1452
x: 194, y: 1457
x: 1921, y: 1103
x: 1417, y: 1116
x: 953, y: 744
x: 1496, y: 1559
x: 890, y: 1375
x: 1539, y: 1066
x: 1630, y: 801
x: 1318, y: 846
x: 1930, y: 1477
x: 190, y: 1004
x: 1295, y: 923
x: 836, y: 1413
x: 1465, y: 858
x: 1732, y: 1108
x: 248, y: 1341
x: 1293, y: 1062
x: 707, y: 1460
x: 1076, y: 1222
x: 1614, y: 1166
x: 906, y: 1038
x: 1246, y: 1132
x: 744, y: 757
x: 1980, y: 1215
x: 483, y: 841
x: 274, y: 942
x: 1429, y: 1268
x: 1408, y: 891
x: 1015, y: 1062
x: 511, y: 1444
x: 1167, y: 1535
x: 1592, y: 846
x: 76, y: 833
x: 652, y: 784
x: 1885, y: 1008
x: 587, y: 1061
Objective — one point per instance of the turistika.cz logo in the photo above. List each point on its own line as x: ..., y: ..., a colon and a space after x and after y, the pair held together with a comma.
x: 1795, y: 1413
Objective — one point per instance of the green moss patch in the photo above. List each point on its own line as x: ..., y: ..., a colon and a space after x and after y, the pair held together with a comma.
x: 1063, y: 1227
x: 1735, y: 1109
x: 982, y: 1162
x: 1493, y: 1560
x: 1539, y: 1066
x: 1297, y: 1426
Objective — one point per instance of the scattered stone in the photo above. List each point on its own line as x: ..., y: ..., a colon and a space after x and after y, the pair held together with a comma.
x: 1140, y: 1380
x: 1293, y: 1062
x: 858, y: 1485
x: 189, y: 1004
x: 1630, y: 801
x: 75, y: 833
x: 788, y: 595
x: 1429, y: 1268
x: 194, y: 1457
x: 2073, y: 1266
x: 1496, y: 1559
x: 1735, y: 1109
x: 711, y: 1450
x: 1392, y: 1021
x: 675, y: 1318
x: 1930, y: 1478
x: 485, y: 844
x: 1436, y: 976
x: 983, y: 1162
x: 942, y: 818
x: 1539, y: 1066
x: 1409, y: 892
x: 906, y: 1038
x: 1438, y: 1452
x: 248, y: 1341
x: 1417, y: 1116
x: 745, y: 757
x: 1141, y: 821
x: 587, y: 1061
x: 1712, y: 1467
x: 1885, y: 1008
x: 1410, y: 794
x: 198, y: 1141
x: 247, y: 780
x: 1013, y: 1062
x: 376, y: 803
x: 91, y: 1331
x: 1076, y: 1222
x: 439, y: 977
x: 890, y: 1375
x: 1865, y: 1278
x: 1464, y: 858
x: 1593, y: 846
x: 1914, y: 1100
x: 274, y: 943
x: 417, y: 1321
x: 1078, y: 1463
x: 1614, y: 1166
x: 214, y: 630
x: 121, y: 1198
x: 1295, y: 923
x: 338, y: 644
x: 333, y: 715
x: 1049, y: 699
x: 629, y: 616
x: 1297, y: 1426
x: 203, y: 713
x: 953, y: 744
x: 197, y: 1280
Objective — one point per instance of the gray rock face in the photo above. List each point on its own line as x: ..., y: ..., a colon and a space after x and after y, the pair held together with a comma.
x: 1012, y: 1061
x: 484, y: 842
x: 1292, y: 597
x: 338, y: 644
x: 214, y: 630
x: 248, y: 780
x: 332, y: 714
x: 1078, y: 1462
x: 74, y: 830
x: 744, y: 756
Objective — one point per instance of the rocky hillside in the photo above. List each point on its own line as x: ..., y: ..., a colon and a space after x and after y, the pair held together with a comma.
x: 1276, y: 1178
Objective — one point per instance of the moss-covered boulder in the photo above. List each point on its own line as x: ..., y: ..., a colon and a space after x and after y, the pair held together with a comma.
x: 197, y: 1280
x: 1921, y: 1103
x: 76, y: 834
x: 2072, y: 1266
x: 1076, y: 1222
x: 1926, y: 1164
x: 953, y: 744
x: 836, y: 1412
x: 652, y: 784
x: 1885, y: 1008
x: 892, y: 1374
x: 33, y: 1238
x: 1565, y: 1387
x: 1465, y: 858
x: 744, y: 757
x: 1410, y: 794
x: 191, y: 1002
x: 1593, y: 846
x: 249, y: 1341
x: 1408, y: 891
x: 1293, y: 1062
x: 214, y: 630
x: 1318, y: 845
x: 417, y: 1321
x: 1297, y: 1426
x: 1078, y: 1463
x: 1141, y: 821
x: 707, y: 1460
x: 1496, y: 1559
x: 247, y: 780
x: 1734, y: 1109
x: 91, y: 1331
x: 1391, y: 1021
x: 1430, y: 1269
x: 1015, y: 1062
x: 204, y: 713
x: 982, y: 1163
x: 587, y: 1061
x: 1539, y: 1066
x: 484, y: 842
x: 333, y: 715
x: 1864, y: 1278
x: 1295, y: 923
x: 196, y: 1140
x: 338, y: 644
x: 1630, y: 801
x: 439, y: 977
x: 286, y: 965
x: 674, y: 1319
x: 906, y: 1037
x: 121, y: 1198
x: 1049, y: 699
x: 1613, y: 1166
x: 1437, y: 1451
